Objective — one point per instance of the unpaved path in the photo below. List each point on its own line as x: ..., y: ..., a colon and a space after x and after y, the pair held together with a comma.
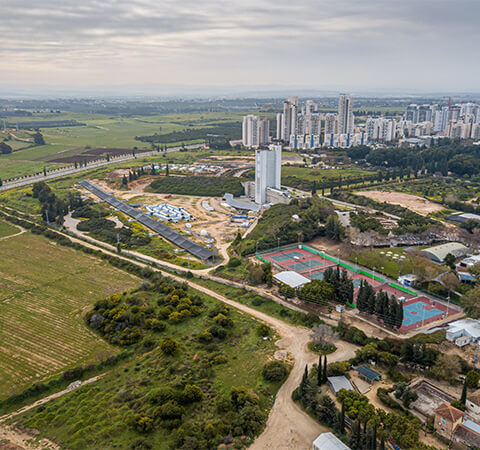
x: 288, y: 427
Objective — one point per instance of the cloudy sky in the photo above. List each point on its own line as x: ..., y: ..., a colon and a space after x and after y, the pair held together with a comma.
x: 409, y: 45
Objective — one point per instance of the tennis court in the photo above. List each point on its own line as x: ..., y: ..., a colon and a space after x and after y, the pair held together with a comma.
x: 417, y: 310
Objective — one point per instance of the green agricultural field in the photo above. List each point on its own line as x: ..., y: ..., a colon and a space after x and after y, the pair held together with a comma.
x: 129, y: 407
x: 100, y: 131
x: 45, y: 288
x: 7, y: 229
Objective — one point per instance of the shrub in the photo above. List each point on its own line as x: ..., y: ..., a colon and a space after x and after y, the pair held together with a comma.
x: 263, y: 330
x: 168, y: 345
x: 274, y: 371
x: 192, y: 393
x: 234, y: 262
x: 162, y: 395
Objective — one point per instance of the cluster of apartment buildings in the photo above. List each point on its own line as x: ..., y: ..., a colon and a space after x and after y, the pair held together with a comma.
x: 306, y: 128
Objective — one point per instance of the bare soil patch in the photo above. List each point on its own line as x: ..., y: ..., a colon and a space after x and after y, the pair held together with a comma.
x: 413, y: 202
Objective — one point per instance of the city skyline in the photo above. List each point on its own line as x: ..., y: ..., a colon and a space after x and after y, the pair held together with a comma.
x: 142, y: 46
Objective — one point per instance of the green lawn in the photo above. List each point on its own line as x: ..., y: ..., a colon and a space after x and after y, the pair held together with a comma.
x: 7, y: 229
x: 43, y: 292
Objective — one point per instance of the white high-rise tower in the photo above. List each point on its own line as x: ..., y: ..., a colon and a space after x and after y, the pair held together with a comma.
x: 345, y: 114
x: 268, y: 170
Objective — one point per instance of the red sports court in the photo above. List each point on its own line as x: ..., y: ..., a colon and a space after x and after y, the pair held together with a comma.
x: 418, y: 310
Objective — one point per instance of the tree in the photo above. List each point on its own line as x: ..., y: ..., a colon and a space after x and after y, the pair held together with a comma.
x: 38, y: 138
x: 167, y: 172
x: 471, y: 303
x: 44, y: 172
x: 1, y: 182
x: 304, y: 383
x: 463, y: 398
x: 314, y: 187
x: 324, y: 376
x: 274, y: 371
x: 333, y: 228
x: 450, y: 261
x: 447, y: 367
x: 5, y: 149
x: 124, y: 181
x: 319, y: 371
x: 472, y: 379
x: 317, y: 291
x: 341, y: 426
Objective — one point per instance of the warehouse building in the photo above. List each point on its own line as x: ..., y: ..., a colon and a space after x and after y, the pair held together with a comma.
x: 439, y: 252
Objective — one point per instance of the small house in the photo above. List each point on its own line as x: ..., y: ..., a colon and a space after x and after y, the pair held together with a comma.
x: 473, y: 403
x: 464, y: 331
x: 447, y: 417
x: 368, y: 375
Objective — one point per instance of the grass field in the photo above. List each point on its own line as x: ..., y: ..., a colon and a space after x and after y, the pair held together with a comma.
x: 7, y: 230
x: 43, y: 292
x: 100, y: 414
x: 100, y: 131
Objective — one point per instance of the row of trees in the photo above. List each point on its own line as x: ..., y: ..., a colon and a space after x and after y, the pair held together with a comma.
x: 53, y: 208
x: 384, y: 307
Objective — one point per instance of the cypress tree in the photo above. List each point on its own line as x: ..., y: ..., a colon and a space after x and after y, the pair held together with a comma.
x: 325, y: 369
x: 382, y: 444
x: 463, y: 398
x: 374, y: 438
x: 319, y: 371
x: 303, y: 384
x: 342, y: 419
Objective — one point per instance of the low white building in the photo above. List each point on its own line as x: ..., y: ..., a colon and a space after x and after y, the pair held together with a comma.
x: 473, y: 404
x: 291, y: 278
x: 462, y: 332
x: 407, y: 280
x: 328, y: 441
x: 468, y: 262
x: 338, y: 383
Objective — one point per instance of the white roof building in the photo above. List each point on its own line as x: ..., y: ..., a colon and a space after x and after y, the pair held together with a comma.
x: 439, y: 252
x: 468, y: 328
x: 328, y: 441
x: 291, y: 278
x: 468, y: 262
x: 338, y: 383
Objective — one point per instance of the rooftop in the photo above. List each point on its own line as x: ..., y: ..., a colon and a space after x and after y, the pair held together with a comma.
x: 291, y: 278
x: 467, y: 434
x: 340, y: 382
x: 475, y: 398
x: 439, y: 252
x: 471, y: 326
x: 368, y: 373
x: 328, y: 441
x: 449, y: 412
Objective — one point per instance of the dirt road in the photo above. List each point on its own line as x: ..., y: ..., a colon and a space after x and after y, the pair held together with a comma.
x: 288, y: 426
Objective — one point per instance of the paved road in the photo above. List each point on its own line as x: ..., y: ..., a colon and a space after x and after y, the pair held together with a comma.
x: 61, y: 173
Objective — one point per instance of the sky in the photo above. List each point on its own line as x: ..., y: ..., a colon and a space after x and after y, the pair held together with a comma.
x: 226, y: 45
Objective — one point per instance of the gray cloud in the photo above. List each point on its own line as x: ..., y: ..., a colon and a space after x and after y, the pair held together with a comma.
x: 427, y: 44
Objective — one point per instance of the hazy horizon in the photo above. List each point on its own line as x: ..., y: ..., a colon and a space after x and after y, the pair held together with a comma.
x: 142, y: 47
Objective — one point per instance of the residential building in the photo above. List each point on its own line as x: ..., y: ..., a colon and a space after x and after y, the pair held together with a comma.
x: 345, y: 114
x: 467, y: 434
x: 473, y: 404
x: 440, y: 119
x: 255, y: 131
x: 331, y: 123
x: 446, y: 420
x: 268, y: 168
x: 468, y: 262
x: 289, y: 119
x: 381, y: 129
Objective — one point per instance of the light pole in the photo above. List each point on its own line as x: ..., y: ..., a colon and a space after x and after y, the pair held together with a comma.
x: 448, y: 304
x: 278, y: 243
x: 356, y: 263
x: 373, y: 275
x: 256, y: 248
